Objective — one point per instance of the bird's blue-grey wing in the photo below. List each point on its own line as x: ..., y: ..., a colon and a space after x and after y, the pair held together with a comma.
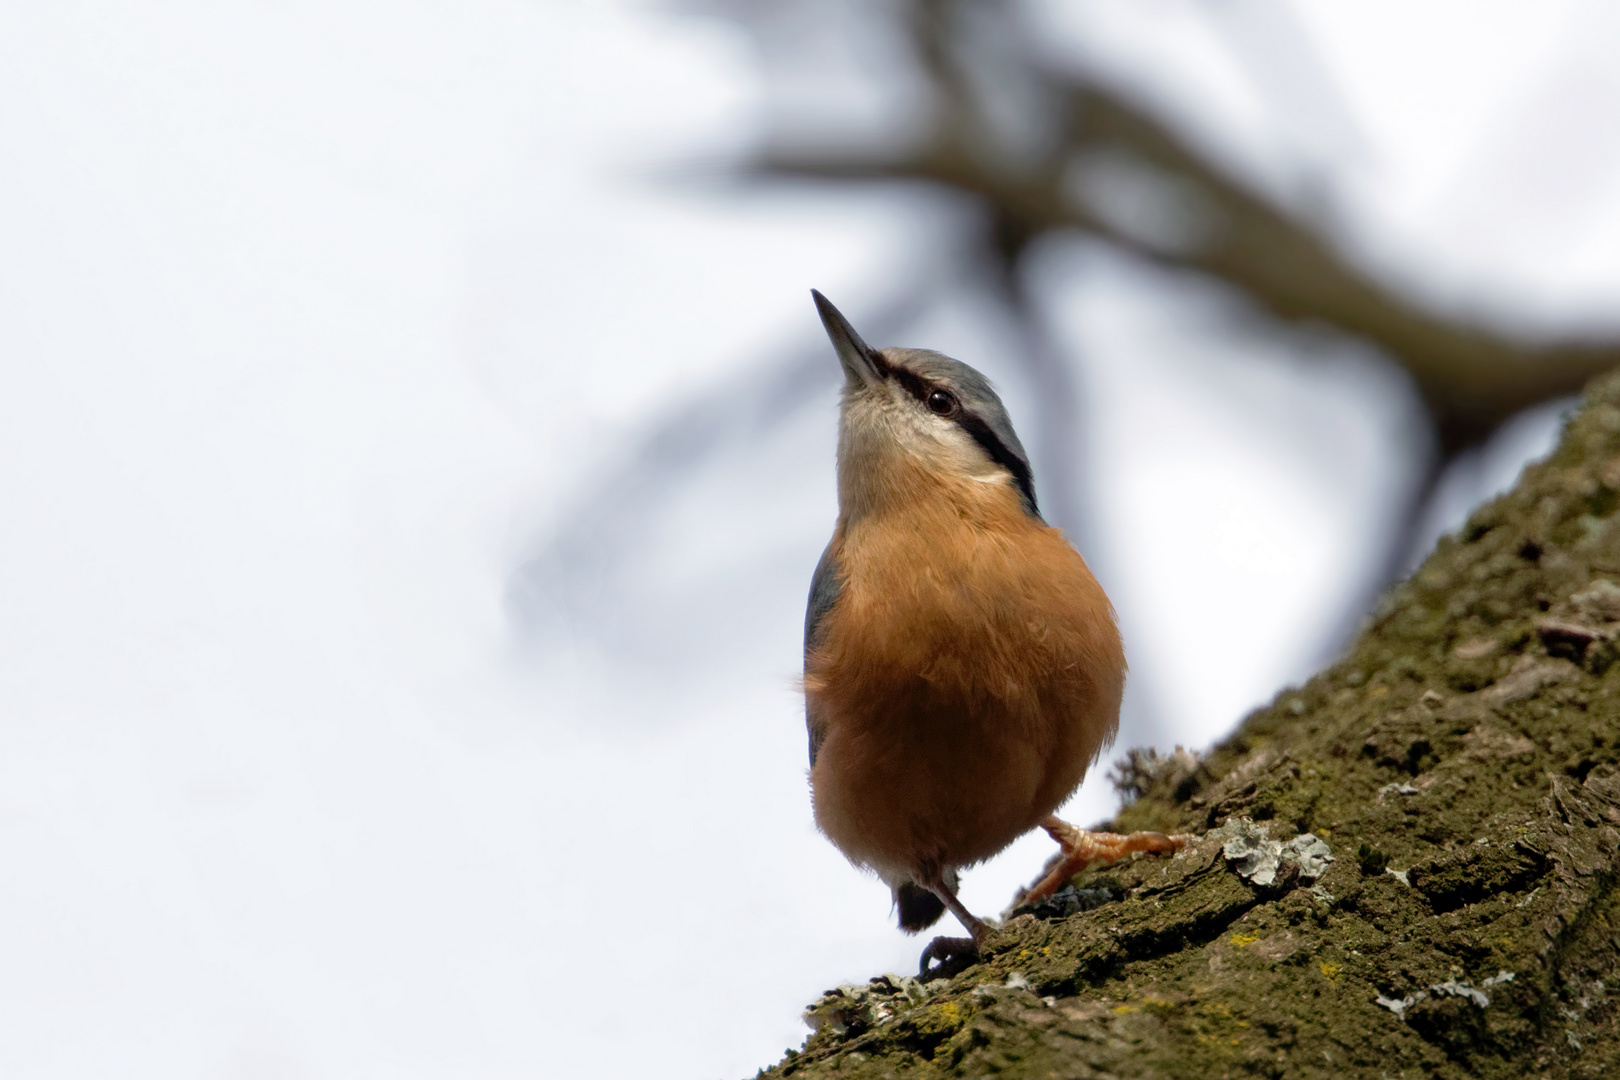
x: 824, y: 587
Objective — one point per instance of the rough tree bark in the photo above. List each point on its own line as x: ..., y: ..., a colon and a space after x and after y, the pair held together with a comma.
x: 1460, y: 765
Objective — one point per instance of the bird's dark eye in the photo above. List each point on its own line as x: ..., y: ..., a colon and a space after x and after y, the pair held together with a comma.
x: 942, y: 402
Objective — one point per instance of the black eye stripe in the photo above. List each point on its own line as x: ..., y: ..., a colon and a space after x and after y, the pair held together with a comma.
x: 985, y: 437
x: 920, y: 388
x: 912, y: 383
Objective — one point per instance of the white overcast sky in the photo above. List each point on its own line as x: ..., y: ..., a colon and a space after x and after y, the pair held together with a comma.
x: 319, y: 320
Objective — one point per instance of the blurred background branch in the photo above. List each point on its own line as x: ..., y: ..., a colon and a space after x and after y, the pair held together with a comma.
x: 1043, y: 146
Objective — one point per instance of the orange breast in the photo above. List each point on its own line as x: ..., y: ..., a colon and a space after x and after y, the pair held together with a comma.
x: 966, y: 678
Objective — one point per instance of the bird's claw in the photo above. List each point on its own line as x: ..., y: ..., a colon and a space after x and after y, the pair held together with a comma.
x: 954, y: 954
x: 1083, y: 848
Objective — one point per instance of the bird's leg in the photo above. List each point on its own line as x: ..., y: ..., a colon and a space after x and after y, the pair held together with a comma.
x: 1082, y: 848
x: 948, y: 949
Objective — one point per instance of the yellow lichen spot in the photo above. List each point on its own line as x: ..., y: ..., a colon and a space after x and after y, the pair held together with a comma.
x: 1218, y: 1043
x: 1158, y: 1006
x: 1329, y: 968
x: 1046, y: 950
x: 1022, y: 953
x: 1241, y: 940
x: 1121, y: 1010
x: 951, y: 1012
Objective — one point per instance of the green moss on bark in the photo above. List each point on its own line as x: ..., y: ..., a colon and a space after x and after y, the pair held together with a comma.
x: 1462, y: 763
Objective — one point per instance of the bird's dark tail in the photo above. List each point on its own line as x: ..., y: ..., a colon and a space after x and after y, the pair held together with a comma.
x: 919, y: 908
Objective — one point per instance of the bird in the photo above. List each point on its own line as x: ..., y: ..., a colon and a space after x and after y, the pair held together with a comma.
x: 963, y: 668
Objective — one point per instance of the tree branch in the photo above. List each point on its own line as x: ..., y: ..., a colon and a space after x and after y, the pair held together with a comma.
x: 1118, y: 173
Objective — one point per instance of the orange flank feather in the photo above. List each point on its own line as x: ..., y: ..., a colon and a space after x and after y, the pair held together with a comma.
x: 967, y: 676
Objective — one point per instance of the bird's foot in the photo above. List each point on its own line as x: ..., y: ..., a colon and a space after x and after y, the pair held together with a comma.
x: 1083, y: 849
x: 954, y: 955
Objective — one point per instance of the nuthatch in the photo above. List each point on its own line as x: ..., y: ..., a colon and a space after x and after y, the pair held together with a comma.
x: 962, y: 668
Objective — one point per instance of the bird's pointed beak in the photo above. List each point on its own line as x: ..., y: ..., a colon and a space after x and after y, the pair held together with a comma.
x: 862, y: 364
